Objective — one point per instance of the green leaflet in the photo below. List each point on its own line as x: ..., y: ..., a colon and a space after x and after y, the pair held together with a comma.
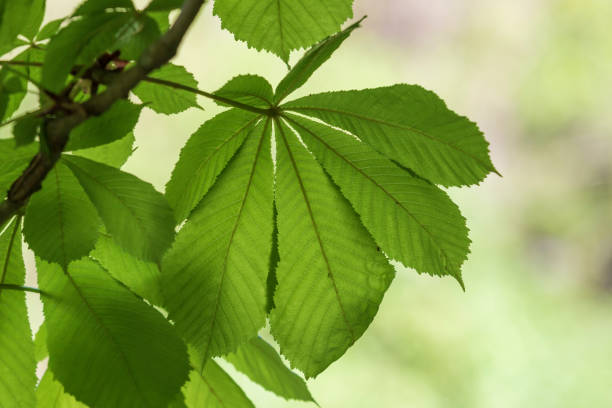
x: 140, y: 276
x: 412, y: 220
x: 134, y: 213
x: 110, y: 350
x: 165, y: 99
x: 331, y: 278
x: 35, y: 15
x: 114, y: 154
x: 204, y: 156
x: 14, y: 17
x: 98, y: 6
x: 280, y: 26
x: 112, y: 125
x: 26, y: 130
x: 61, y: 224
x: 211, y: 387
x: 262, y: 364
x: 311, y: 61
x: 50, y: 394
x: 40, y: 343
x: 214, y: 276
x: 12, y: 162
x: 409, y: 125
x: 249, y: 89
x: 17, y: 365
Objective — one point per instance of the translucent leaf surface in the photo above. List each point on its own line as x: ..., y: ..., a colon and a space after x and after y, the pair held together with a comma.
x: 280, y: 26
x: 165, y: 99
x: 412, y: 220
x: 111, y: 350
x: 214, y: 277
x: 134, y: 213
x: 204, y: 156
x: 98, y: 6
x: 14, y: 16
x: 13, y: 161
x: 409, y: 125
x: 17, y: 365
x: 249, y: 89
x: 211, y: 387
x: 331, y: 277
x: 114, y: 154
x: 140, y: 276
x: 61, y: 224
x: 262, y: 364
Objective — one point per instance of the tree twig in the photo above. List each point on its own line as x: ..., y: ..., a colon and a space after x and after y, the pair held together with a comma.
x: 58, y: 129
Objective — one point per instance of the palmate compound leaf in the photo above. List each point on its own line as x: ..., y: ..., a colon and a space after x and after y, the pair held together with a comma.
x: 410, y: 125
x: 331, y: 277
x: 165, y: 99
x: 204, y: 157
x: 280, y: 26
x: 61, y: 224
x: 136, y: 215
x: 262, y: 364
x: 249, y: 89
x: 17, y: 365
x: 209, y: 386
x: 413, y: 221
x: 107, y: 347
x: 214, y: 276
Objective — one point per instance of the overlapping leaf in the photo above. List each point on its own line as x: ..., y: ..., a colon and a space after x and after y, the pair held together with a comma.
x: 14, y: 20
x: 61, y: 224
x: 210, y: 386
x: 140, y: 276
x: 12, y: 162
x: 410, y: 125
x: 204, y: 157
x: 412, y: 220
x: 262, y: 364
x: 114, y: 154
x: 17, y: 365
x: 214, y: 277
x: 134, y: 213
x: 50, y: 394
x: 165, y: 99
x: 112, y: 125
x: 280, y: 26
x: 107, y: 347
x: 331, y: 277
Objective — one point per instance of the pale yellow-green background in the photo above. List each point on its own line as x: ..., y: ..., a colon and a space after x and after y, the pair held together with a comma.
x: 534, y: 328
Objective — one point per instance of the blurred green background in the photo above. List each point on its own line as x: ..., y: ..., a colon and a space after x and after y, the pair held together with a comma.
x: 534, y: 328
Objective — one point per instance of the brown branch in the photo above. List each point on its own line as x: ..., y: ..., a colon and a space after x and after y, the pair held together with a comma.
x: 58, y: 129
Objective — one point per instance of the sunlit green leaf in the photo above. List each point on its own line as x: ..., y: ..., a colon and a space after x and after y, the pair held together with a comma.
x: 280, y: 26
x: 249, y: 89
x: 134, y: 213
x: 331, y: 277
x: 214, y: 277
x: 110, y: 350
x: 17, y: 365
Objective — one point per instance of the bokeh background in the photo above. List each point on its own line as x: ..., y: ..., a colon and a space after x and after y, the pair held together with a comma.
x: 534, y: 328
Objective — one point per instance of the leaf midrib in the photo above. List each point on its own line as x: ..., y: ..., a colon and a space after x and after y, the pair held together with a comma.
x: 393, y: 125
x: 316, y: 229
x: 110, y: 335
x: 233, y: 233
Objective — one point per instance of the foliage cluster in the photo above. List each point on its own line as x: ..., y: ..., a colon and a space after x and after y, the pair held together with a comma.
x: 280, y: 211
